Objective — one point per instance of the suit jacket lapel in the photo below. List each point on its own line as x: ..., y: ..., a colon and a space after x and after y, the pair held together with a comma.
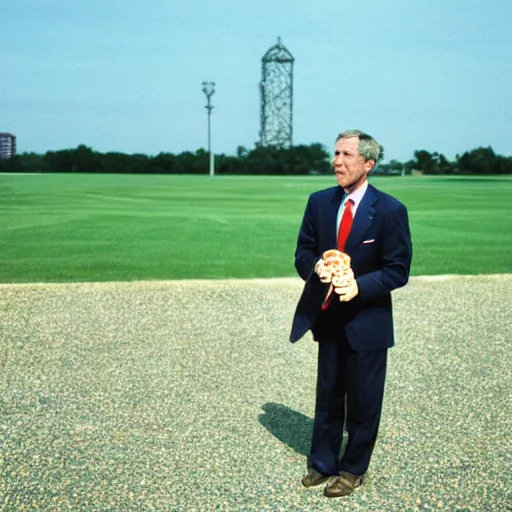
x: 332, y: 214
x: 362, y: 221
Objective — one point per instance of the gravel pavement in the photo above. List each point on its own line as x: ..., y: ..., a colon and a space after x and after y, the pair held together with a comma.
x: 187, y: 396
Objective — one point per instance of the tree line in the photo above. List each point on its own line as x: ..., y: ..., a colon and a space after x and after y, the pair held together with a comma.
x: 477, y: 161
x: 297, y: 160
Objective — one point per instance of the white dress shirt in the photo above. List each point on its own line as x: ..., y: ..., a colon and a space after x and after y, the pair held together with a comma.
x: 356, y: 196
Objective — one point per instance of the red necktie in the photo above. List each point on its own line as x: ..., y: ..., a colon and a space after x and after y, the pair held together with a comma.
x: 343, y: 232
x: 345, y: 225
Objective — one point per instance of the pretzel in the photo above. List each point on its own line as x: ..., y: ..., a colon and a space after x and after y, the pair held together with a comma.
x: 342, y: 281
x: 333, y: 256
x: 336, y: 271
x: 337, y: 263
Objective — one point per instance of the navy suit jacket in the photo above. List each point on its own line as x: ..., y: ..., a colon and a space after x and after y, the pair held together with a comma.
x: 379, y: 245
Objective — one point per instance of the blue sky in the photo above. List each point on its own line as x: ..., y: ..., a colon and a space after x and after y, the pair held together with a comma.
x: 126, y: 75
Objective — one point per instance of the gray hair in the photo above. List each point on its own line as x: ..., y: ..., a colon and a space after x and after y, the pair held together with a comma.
x: 369, y: 148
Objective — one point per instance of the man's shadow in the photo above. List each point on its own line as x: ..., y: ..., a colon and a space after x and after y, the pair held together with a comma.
x: 290, y: 427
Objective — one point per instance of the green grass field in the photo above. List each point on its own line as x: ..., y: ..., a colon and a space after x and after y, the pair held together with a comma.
x: 88, y: 227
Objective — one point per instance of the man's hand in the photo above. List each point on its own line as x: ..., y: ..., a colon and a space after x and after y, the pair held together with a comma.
x: 323, y: 272
x: 347, y: 292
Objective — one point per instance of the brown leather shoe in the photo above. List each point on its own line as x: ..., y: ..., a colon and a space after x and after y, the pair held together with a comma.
x: 314, y: 478
x: 343, y: 485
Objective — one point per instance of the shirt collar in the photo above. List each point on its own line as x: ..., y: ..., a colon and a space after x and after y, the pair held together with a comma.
x: 357, y: 195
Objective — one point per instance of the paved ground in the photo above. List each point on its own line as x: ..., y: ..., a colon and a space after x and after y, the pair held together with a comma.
x: 187, y: 396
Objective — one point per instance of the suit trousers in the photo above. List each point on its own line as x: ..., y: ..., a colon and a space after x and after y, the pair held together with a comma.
x: 350, y: 387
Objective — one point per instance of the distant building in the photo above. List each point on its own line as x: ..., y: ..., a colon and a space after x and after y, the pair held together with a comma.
x: 7, y: 145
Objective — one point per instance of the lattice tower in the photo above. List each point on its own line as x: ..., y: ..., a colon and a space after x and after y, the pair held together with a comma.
x: 276, y: 89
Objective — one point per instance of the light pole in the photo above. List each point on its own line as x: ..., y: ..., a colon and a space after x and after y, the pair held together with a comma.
x: 209, y: 89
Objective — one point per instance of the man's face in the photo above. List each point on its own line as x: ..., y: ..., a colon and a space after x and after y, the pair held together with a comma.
x: 350, y: 168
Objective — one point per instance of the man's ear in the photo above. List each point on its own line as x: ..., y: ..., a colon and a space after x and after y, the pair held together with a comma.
x: 369, y: 165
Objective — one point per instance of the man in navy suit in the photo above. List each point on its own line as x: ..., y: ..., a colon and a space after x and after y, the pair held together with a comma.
x: 354, y: 327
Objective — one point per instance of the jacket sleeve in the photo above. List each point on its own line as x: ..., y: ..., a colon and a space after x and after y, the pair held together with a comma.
x: 396, y: 256
x: 307, y: 252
